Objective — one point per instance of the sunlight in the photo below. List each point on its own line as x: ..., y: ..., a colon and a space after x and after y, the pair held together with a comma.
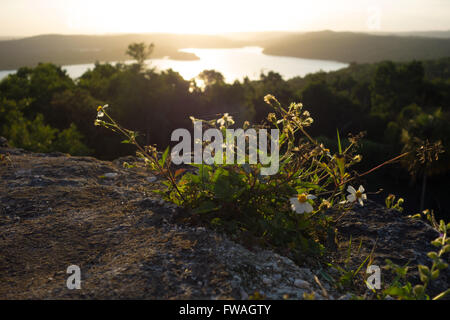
x: 203, y: 17
x: 214, y: 16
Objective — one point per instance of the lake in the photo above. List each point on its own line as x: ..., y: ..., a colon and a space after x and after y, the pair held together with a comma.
x: 234, y: 64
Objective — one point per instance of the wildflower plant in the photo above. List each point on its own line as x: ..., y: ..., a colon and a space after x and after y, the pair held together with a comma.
x: 285, y: 209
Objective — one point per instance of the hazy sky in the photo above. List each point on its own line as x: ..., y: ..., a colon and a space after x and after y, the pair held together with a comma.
x: 32, y: 17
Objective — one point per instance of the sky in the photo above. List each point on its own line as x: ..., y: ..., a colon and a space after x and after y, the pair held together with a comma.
x: 33, y: 17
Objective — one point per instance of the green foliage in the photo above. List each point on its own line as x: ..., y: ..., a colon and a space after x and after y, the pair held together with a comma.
x: 403, y: 289
x: 34, y: 134
x: 394, y: 87
x: 69, y: 141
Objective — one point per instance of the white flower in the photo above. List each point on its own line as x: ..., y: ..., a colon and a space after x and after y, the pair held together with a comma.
x: 356, y: 195
x: 226, y: 119
x: 300, y: 203
x: 100, y: 109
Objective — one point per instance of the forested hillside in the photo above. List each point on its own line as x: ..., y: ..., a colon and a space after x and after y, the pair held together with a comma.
x: 358, y: 47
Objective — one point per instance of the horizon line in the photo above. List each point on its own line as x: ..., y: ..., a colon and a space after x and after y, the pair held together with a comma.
x: 16, y: 37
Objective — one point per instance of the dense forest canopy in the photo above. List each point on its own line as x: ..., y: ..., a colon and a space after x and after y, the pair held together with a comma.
x: 397, y: 105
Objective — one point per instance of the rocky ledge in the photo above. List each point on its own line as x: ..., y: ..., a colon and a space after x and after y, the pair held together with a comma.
x: 57, y: 210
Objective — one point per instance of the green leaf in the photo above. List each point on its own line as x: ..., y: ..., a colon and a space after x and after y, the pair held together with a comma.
x: 435, y: 275
x: 432, y: 255
x: 339, y: 142
x: 442, y: 226
x: 424, y: 273
x: 424, y: 269
x: 419, y: 290
x: 361, y: 265
x: 436, y: 242
x: 396, y: 291
x: 163, y: 159
x: 446, y: 248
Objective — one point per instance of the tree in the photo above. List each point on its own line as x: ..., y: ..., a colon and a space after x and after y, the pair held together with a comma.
x: 396, y: 86
x: 211, y: 77
x: 140, y: 52
x: 426, y: 136
x: 330, y: 110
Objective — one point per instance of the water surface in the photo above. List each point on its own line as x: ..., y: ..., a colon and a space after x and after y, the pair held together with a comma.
x: 234, y: 64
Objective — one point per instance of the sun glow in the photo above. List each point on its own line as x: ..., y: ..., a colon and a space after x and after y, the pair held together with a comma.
x: 31, y: 17
x: 197, y: 16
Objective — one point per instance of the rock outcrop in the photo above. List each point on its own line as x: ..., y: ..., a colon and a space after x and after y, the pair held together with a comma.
x: 57, y: 210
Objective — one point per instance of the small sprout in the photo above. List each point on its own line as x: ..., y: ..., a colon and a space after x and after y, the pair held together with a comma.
x: 357, y: 158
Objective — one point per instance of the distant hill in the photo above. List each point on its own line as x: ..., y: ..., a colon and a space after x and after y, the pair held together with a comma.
x: 2, y: 38
x: 357, y: 47
x: 77, y: 49
x: 328, y: 45
x: 428, y: 34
